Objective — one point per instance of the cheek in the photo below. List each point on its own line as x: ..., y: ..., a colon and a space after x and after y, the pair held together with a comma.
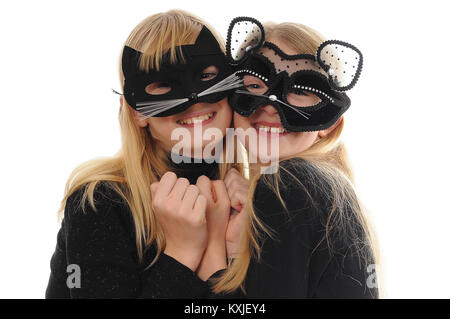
x: 296, y: 143
x: 161, y: 129
x: 240, y: 121
x: 224, y: 116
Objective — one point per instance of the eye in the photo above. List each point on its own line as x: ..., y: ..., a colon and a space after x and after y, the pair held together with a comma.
x: 209, y: 73
x: 254, y: 84
x: 158, y: 88
x: 303, y: 98
x: 300, y: 92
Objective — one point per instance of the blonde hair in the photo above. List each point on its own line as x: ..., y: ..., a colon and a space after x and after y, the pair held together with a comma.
x: 141, y: 160
x: 327, y: 160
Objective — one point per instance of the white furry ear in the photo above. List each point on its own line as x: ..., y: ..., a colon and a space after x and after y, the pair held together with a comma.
x: 245, y: 35
x: 342, y: 61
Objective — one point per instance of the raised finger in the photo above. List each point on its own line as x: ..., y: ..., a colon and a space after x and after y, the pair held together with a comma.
x: 205, y: 187
x: 166, y: 183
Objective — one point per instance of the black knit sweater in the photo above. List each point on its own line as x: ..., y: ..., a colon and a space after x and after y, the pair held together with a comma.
x: 297, y: 262
x: 103, y: 245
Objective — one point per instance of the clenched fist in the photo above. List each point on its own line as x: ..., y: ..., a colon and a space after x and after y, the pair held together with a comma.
x: 180, y: 211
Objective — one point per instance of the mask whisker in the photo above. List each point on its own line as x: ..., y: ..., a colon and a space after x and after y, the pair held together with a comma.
x: 141, y: 105
x: 149, y: 109
x: 114, y: 91
x: 154, y: 108
x: 302, y: 113
x: 231, y: 82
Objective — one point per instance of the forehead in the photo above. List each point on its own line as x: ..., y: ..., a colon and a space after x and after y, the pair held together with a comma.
x: 290, y: 63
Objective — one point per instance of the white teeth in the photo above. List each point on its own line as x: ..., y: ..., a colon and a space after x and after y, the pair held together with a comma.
x: 197, y: 119
x: 271, y: 129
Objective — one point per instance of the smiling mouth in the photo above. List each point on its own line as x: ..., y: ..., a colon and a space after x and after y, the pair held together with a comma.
x: 199, y: 119
x: 265, y: 129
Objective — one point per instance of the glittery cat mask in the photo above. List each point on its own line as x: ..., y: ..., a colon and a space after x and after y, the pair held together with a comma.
x: 182, y: 80
x: 307, y: 90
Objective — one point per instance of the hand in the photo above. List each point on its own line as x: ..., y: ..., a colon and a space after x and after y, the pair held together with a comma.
x: 180, y: 211
x: 237, y: 187
x: 217, y: 215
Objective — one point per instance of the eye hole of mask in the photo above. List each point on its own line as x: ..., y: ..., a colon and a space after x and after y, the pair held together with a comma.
x: 158, y: 88
x: 209, y: 73
x: 302, y: 98
x: 254, y: 84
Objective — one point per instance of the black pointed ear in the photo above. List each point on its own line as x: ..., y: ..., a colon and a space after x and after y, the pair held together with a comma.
x: 245, y: 35
x: 130, y: 60
x: 342, y: 61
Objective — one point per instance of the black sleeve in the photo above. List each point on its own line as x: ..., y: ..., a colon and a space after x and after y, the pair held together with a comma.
x: 102, y: 244
x: 297, y: 262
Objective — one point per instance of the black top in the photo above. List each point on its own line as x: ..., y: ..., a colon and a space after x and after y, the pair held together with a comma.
x: 103, y: 245
x: 291, y: 266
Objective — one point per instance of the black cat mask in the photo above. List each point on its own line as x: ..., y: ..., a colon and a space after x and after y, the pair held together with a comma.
x: 307, y: 90
x: 182, y: 82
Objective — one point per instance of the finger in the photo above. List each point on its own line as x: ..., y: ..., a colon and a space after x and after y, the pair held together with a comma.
x: 167, y: 183
x: 238, y: 200
x: 179, y: 189
x: 205, y: 187
x: 190, y: 197
x: 235, y: 173
x: 220, y: 189
x: 228, y: 178
x: 232, y: 175
x: 238, y: 197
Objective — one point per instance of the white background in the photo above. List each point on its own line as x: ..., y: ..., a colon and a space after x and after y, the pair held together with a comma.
x: 59, y: 61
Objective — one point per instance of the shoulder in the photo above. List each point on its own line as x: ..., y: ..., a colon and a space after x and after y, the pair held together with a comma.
x: 315, y: 194
x: 298, y: 183
x: 289, y: 198
x: 333, y: 201
x: 109, y: 206
x: 296, y: 171
x: 103, y: 194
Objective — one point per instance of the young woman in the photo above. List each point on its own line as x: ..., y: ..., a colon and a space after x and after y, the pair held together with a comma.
x: 138, y: 225
x: 300, y: 232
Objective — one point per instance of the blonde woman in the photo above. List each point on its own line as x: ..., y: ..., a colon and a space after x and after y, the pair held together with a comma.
x: 142, y: 224
x: 299, y: 231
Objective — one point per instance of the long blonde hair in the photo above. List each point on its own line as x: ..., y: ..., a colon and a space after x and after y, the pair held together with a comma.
x: 141, y: 160
x: 327, y: 160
